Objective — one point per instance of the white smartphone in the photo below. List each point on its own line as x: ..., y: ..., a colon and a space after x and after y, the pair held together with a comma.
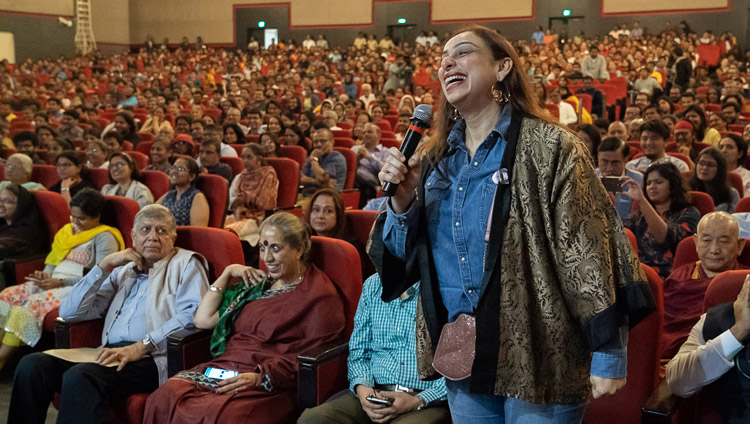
x: 219, y: 373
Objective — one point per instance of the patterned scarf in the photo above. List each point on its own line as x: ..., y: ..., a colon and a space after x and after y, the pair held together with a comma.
x: 235, y: 298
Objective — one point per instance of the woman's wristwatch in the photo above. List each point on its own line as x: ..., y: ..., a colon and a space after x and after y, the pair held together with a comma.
x: 422, y: 405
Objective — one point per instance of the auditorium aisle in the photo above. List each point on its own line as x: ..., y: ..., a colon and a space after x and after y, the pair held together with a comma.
x: 6, y: 382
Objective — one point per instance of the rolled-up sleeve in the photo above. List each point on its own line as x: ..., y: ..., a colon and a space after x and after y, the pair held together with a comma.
x: 396, y: 229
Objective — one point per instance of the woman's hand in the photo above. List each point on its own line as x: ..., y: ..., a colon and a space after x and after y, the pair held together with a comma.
x: 43, y: 280
x: 250, y: 276
x: 395, y: 172
x: 632, y: 189
x: 67, y: 183
x: 239, y: 382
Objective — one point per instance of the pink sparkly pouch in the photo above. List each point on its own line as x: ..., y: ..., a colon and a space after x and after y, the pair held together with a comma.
x: 454, y: 356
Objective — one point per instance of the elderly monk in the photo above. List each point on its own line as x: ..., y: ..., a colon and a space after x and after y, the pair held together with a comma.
x: 144, y: 294
x: 718, y: 245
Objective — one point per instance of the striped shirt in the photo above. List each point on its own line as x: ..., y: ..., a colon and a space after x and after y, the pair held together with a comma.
x: 382, y: 348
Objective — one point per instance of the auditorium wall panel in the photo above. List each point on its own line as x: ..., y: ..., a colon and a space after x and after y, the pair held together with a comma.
x: 38, y: 36
x: 636, y: 6
x: 111, y: 21
x: 46, y: 7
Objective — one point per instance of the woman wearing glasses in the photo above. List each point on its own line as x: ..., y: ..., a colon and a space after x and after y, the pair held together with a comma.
x: 712, y: 177
x: 664, y: 216
x: 123, y: 176
x: 78, y: 246
x: 73, y: 175
x: 188, y: 205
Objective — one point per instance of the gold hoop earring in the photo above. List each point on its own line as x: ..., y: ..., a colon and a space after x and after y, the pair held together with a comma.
x: 497, y: 94
x: 454, y: 114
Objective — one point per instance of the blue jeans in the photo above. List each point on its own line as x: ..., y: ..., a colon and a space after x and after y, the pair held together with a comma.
x: 480, y: 409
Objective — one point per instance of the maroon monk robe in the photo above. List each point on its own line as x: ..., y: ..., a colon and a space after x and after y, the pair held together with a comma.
x: 268, y: 335
x: 684, y: 290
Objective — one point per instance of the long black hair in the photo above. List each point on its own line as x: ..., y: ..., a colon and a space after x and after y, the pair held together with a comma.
x: 718, y: 188
x: 678, y: 192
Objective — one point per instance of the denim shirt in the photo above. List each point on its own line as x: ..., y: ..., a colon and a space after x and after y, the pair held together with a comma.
x: 458, y: 200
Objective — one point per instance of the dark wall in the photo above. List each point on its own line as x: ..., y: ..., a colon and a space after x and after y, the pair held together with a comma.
x: 38, y: 37
x: 418, y: 12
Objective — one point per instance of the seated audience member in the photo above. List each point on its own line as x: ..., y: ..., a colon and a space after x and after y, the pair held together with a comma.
x: 734, y: 149
x: 664, y: 216
x: 296, y: 308
x: 325, y: 168
x: 714, y: 358
x: 188, y: 205
x: 213, y: 132
x: 567, y: 113
x: 718, y: 122
x: 402, y: 126
x: 684, y: 137
x: 710, y: 176
x: 209, y: 160
x: 96, y: 155
x: 611, y: 159
x: 18, y: 168
x: 382, y: 363
x: 618, y: 129
x: 293, y: 136
x: 182, y: 124
x: 242, y: 223
x: 160, y: 152
x: 632, y: 112
x: 330, y: 120
x: 183, y: 145
x: 597, y: 99
x: 45, y: 134
x: 26, y: 142
x: 233, y: 135
x: 123, y: 176
x: 703, y: 133
x: 634, y: 128
x: 731, y: 112
x: 78, y: 246
x: 651, y: 112
x: 74, y: 176
x: 198, y: 131
x: 371, y: 156
x: 69, y: 129
x: 654, y: 136
x: 114, y: 142
x: 270, y: 145
x: 254, y: 121
x: 22, y: 230
x: 274, y: 126
x: 156, y: 122
x: 144, y: 294
x: 125, y: 124
x: 591, y: 138
x: 258, y: 183
x: 718, y: 245
x: 670, y: 121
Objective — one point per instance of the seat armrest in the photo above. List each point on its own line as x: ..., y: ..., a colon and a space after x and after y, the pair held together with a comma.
x: 660, y: 406
x: 322, y: 373
x: 323, y: 353
x: 70, y: 335
x: 186, y: 349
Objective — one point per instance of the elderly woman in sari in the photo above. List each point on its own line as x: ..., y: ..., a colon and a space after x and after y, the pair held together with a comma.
x: 22, y: 231
x: 18, y: 169
x: 258, y: 182
x: 260, y: 324
x: 78, y: 246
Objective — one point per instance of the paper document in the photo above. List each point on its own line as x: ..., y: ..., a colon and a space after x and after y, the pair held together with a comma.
x: 81, y: 354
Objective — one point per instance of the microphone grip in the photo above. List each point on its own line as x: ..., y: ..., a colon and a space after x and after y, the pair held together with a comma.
x: 408, y: 147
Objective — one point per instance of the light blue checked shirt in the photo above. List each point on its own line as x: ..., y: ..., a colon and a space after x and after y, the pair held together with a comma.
x: 382, y: 348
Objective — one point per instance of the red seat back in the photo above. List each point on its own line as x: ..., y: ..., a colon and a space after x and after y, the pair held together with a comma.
x: 119, y: 212
x: 351, y: 165
x: 156, y: 181
x: 234, y: 162
x: 736, y: 182
x: 743, y: 205
x: 384, y: 125
x: 360, y: 223
x: 702, y: 201
x: 287, y: 171
x: 140, y: 159
x: 343, y: 142
x: 45, y: 175
x: 54, y: 210
x: 216, y: 190
x: 99, y: 177
x: 296, y: 153
x: 388, y: 143
x: 220, y: 247
x: 644, y: 355
x: 342, y: 133
x: 144, y: 147
x: 725, y: 287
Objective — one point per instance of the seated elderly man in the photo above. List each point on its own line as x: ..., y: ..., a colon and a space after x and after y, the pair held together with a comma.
x: 371, y: 157
x: 718, y: 245
x: 18, y: 169
x: 383, y: 364
x: 715, y: 357
x: 144, y: 294
x: 325, y: 168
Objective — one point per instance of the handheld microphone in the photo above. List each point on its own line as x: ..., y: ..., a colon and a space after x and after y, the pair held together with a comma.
x: 420, y: 121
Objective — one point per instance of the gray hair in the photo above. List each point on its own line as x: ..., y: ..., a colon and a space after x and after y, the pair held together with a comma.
x: 156, y: 212
x: 26, y: 162
x: 293, y: 231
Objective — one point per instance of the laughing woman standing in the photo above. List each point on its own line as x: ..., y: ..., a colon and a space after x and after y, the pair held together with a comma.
x: 517, y: 247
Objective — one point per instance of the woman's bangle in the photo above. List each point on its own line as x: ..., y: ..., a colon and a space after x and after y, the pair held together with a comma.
x: 216, y: 289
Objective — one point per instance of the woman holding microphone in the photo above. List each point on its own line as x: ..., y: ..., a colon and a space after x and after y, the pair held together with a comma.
x: 518, y: 248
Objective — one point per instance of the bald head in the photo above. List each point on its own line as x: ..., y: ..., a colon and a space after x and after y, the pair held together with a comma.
x: 619, y: 130
x: 718, y: 242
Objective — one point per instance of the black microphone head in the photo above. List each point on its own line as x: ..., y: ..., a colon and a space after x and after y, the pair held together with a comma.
x: 423, y: 113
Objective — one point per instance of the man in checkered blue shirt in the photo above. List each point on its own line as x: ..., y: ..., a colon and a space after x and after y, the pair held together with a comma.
x: 383, y: 364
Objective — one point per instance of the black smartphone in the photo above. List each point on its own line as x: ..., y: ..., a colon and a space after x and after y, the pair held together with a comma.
x: 379, y: 401
x: 611, y: 184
